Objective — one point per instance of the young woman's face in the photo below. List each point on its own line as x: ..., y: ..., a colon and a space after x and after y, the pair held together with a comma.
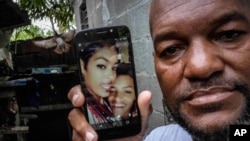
x: 122, y: 96
x: 100, y: 71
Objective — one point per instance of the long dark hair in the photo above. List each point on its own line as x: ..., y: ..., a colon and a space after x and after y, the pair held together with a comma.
x: 91, y: 48
x: 124, y: 69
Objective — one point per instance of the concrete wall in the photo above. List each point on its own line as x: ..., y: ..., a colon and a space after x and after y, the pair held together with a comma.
x: 134, y: 14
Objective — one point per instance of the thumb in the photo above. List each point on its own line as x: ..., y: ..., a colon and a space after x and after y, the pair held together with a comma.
x: 144, y: 103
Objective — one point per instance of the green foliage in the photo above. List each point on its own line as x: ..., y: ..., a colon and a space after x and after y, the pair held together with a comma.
x: 59, y: 12
x: 28, y: 32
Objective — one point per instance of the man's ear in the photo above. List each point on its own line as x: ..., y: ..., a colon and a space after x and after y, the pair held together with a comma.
x: 83, y: 71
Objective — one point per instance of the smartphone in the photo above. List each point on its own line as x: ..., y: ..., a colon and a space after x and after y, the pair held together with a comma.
x: 108, y: 81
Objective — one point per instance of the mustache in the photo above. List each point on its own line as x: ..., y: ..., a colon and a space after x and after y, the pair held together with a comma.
x: 214, y: 81
x: 235, y: 84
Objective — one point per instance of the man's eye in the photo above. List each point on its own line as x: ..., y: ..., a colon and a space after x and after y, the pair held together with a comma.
x: 170, y: 51
x: 227, y: 36
x: 101, y: 66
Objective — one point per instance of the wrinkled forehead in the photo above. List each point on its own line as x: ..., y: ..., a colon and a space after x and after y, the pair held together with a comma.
x: 160, y: 8
x: 164, y: 8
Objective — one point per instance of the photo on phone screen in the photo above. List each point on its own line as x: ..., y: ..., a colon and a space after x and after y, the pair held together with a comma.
x: 108, y: 80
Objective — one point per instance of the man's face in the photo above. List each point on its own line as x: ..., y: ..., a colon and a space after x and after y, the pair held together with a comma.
x: 202, y: 61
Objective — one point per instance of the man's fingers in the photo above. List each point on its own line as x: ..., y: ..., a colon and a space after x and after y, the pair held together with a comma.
x: 82, y: 129
x: 144, y: 103
x: 75, y: 96
x: 76, y: 136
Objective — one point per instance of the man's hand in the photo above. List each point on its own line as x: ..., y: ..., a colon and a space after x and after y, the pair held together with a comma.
x: 82, y: 131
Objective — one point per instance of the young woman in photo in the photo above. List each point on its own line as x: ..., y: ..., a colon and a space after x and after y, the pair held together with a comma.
x: 98, y: 65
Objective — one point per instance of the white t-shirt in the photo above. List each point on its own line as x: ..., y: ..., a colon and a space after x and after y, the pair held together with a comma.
x: 171, y: 132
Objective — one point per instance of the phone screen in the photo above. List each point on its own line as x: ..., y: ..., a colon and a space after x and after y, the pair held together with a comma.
x: 108, y: 80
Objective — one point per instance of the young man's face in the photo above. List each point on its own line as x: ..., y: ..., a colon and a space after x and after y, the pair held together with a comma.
x: 202, y: 61
x: 122, y: 96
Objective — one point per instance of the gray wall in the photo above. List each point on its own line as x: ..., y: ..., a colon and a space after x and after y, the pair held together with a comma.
x: 134, y: 14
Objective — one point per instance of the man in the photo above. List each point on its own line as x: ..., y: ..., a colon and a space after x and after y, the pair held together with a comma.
x: 203, y: 49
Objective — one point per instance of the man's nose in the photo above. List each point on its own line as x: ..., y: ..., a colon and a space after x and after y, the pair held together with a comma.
x: 203, y: 59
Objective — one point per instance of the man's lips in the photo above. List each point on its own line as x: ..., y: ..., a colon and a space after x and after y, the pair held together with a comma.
x: 212, y: 95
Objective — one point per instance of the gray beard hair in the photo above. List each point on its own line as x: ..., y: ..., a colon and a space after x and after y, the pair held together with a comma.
x: 220, y: 134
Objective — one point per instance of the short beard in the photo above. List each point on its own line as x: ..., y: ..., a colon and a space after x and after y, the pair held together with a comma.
x: 221, y: 134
